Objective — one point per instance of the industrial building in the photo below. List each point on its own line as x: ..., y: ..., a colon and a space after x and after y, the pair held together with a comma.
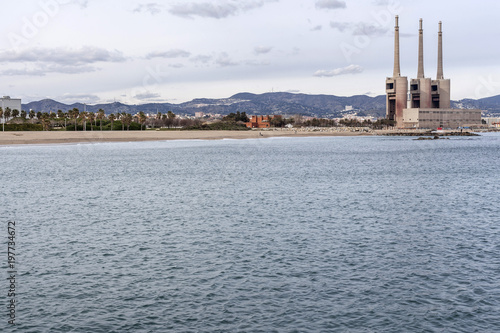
x: 424, y: 103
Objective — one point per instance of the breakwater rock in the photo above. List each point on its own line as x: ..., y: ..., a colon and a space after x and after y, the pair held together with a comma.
x: 435, y: 137
x: 434, y: 134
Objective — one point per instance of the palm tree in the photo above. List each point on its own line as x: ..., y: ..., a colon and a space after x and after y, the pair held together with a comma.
x: 122, y: 118
x: 91, y: 116
x: 52, y: 117
x: 3, y: 120
x: 15, y: 113
x: 45, y: 121
x: 69, y: 114
x: 127, y: 119
x: 111, y: 117
x: 60, y: 116
x: 31, y: 114
x: 100, y: 116
x: 83, y: 118
x: 142, y: 118
x: 7, y: 113
x: 23, y: 114
x: 75, y: 113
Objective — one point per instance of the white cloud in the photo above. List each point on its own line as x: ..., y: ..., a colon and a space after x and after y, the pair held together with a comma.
x: 42, y: 61
x: 223, y: 60
x: 201, y: 58
x: 257, y: 63
x: 361, y: 28
x: 81, y: 3
x: 351, y: 69
x: 330, y: 4
x: 369, y: 30
x: 152, y: 8
x: 147, y: 96
x: 176, y: 53
x: 43, y: 69
x: 262, y: 49
x: 219, y: 10
x: 317, y: 28
x: 382, y: 2
x: 62, y: 56
x: 340, y: 26
x: 81, y: 98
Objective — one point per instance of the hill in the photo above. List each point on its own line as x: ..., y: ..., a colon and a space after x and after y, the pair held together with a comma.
x: 268, y: 103
x: 327, y: 106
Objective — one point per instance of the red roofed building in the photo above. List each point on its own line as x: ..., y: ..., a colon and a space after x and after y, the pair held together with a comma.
x: 259, y: 122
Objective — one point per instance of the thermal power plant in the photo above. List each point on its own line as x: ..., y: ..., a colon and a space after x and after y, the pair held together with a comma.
x: 425, y: 103
x: 396, y: 86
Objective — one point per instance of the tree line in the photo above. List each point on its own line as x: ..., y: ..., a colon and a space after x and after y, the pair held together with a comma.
x: 76, y: 120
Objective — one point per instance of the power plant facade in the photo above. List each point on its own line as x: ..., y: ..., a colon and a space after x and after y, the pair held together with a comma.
x: 424, y: 103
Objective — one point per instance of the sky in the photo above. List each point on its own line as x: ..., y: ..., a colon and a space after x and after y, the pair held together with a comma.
x: 136, y: 52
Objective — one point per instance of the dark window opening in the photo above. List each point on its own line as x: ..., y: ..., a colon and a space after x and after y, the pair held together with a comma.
x: 392, y: 109
x: 415, y: 101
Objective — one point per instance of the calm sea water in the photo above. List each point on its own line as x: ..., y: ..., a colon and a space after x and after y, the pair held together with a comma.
x: 357, y: 234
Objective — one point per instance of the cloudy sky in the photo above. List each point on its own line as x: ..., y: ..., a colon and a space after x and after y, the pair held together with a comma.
x: 136, y: 51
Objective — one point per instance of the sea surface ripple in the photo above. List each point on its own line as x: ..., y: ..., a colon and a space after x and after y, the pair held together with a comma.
x: 342, y: 234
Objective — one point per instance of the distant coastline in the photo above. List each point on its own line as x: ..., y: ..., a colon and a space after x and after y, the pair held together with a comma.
x: 63, y: 137
x: 50, y: 137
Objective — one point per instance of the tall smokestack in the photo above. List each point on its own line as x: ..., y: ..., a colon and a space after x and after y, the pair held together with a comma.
x: 397, y: 70
x: 420, y: 74
x: 440, y: 53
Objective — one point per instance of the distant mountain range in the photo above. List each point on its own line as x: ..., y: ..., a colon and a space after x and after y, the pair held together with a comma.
x: 328, y: 106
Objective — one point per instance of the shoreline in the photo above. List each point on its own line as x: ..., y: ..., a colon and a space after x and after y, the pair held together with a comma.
x: 63, y: 137
x: 68, y: 137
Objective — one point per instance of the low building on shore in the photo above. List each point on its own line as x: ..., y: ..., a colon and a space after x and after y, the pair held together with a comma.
x: 445, y: 118
x: 259, y: 122
x: 492, y: 121
x: 11, y: 103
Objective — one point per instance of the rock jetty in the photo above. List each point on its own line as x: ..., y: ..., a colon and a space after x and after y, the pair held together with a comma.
x: 433, y: 134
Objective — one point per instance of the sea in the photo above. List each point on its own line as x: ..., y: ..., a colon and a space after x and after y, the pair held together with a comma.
x: 318, y: 234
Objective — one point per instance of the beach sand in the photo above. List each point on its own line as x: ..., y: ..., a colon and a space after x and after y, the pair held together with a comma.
x: 13, y: 138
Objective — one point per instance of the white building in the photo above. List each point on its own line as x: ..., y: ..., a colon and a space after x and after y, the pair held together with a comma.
x: 11, y: 103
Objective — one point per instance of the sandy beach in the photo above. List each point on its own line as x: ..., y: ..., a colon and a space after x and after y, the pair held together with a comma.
x: 14, y: 138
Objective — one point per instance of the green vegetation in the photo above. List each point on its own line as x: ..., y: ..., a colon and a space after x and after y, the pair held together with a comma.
x: 23, y: 127
x: 383, y: 123
x: 76, y: 120
x: 235, y: 117
x: 218, y: 126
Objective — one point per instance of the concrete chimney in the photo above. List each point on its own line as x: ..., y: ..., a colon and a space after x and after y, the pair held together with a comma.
x: 440, y: 53
x: 397, y: 70
x: 420, y: 74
